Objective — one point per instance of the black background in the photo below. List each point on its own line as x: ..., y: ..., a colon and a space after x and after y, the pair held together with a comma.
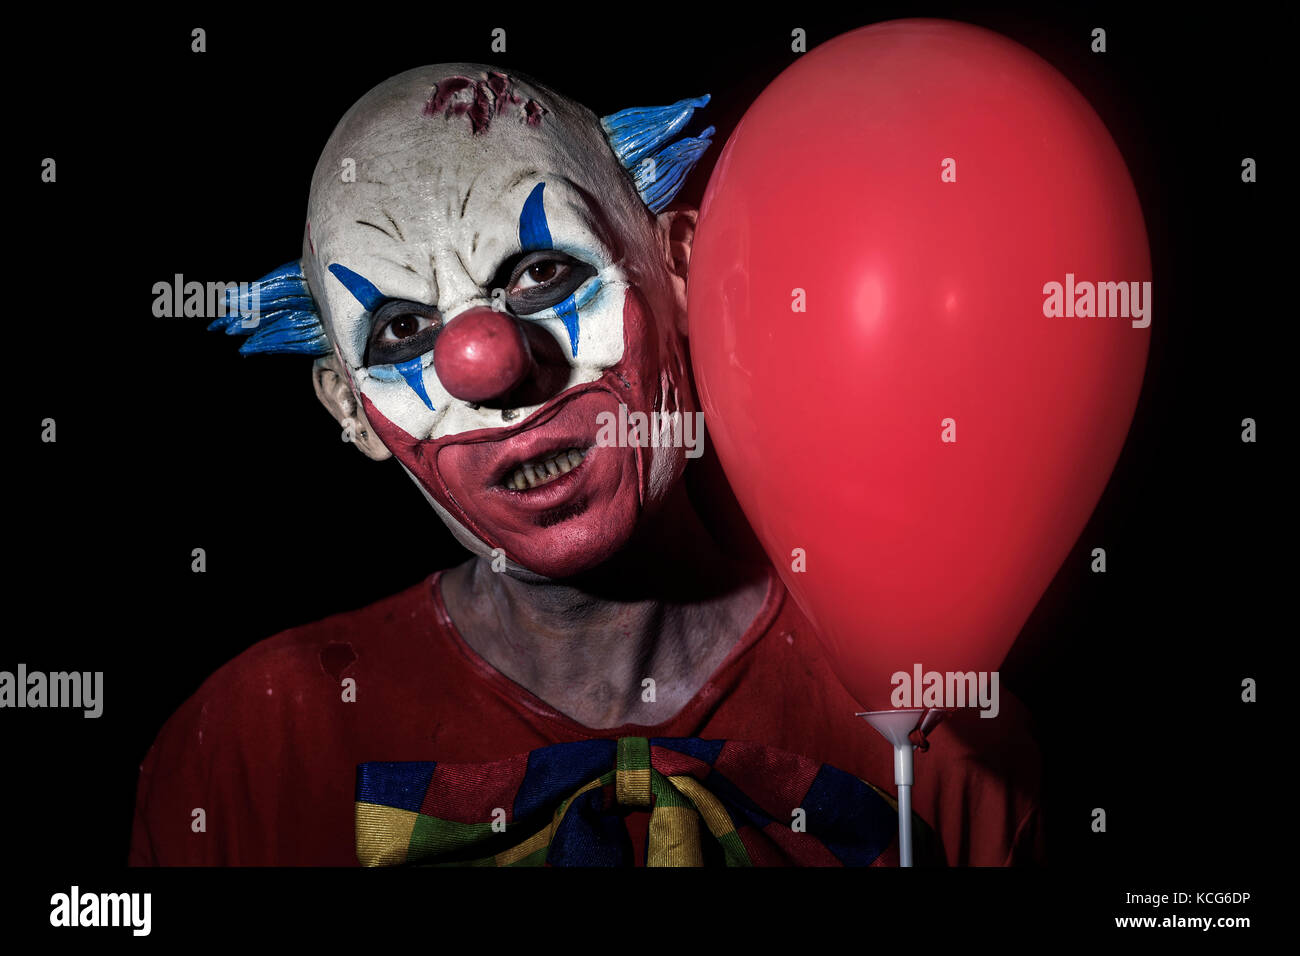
x: 174, y: 162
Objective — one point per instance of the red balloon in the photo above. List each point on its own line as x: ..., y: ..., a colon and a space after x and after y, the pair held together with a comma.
x: 870, y: 276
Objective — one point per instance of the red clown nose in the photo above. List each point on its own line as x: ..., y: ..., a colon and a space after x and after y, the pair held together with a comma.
x: 481, y: 355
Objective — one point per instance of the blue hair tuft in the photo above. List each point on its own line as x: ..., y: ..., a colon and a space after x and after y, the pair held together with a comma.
x: 282, y: 312
x: 643, y: 139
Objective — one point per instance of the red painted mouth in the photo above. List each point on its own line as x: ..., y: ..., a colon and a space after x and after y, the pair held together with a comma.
x: 542, y: 455
x: 478, y: 472
x: 561, y: 520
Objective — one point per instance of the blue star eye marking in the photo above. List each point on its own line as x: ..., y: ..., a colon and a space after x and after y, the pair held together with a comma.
x: 413, y: 372
x: 364, y: 291
x: 534, y: 234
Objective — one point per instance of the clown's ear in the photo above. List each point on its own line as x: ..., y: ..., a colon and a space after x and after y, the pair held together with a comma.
x: 277, y: 313
x: 643, y: 141
x: 679, y: 225
x: 335, y: 393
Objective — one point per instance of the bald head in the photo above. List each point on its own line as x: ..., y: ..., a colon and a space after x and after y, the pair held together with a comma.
x: 434, y: 150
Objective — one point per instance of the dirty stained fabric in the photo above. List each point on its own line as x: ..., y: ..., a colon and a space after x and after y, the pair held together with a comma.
x: 268, y: 748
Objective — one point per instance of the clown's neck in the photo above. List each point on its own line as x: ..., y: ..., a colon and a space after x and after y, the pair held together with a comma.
x: 667, y: 608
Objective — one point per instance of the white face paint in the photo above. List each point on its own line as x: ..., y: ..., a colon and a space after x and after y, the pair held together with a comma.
x: 434, y: 190
x: 434, y: 212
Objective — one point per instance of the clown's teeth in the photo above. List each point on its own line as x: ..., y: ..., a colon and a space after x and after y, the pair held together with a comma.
x: 541, y: 470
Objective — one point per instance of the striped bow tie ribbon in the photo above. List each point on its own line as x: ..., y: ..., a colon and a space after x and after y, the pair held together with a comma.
x: 711, y: 802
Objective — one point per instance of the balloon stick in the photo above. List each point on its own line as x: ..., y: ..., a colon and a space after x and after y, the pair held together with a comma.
x: 896, y: 726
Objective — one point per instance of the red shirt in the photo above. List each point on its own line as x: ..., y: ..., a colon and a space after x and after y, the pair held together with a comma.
x: 268, y: 747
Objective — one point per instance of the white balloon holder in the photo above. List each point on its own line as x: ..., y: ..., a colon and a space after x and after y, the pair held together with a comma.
x: 896, y: 726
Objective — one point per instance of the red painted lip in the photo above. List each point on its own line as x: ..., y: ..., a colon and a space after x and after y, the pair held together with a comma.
x: 476, y: 469
x: 551, y: 493
x: 540, y: 441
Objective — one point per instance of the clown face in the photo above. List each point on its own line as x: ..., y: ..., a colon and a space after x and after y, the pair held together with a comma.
x: 494, y: 288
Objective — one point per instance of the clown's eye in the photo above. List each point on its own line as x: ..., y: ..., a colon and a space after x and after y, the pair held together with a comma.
x: 543, y: 279
x: 401, y: 331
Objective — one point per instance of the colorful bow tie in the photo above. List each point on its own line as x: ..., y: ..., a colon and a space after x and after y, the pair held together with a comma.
x: 566, y: 805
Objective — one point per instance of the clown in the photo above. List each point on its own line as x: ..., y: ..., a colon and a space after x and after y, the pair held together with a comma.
x: 488, y: 273
x: 547, y: 285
